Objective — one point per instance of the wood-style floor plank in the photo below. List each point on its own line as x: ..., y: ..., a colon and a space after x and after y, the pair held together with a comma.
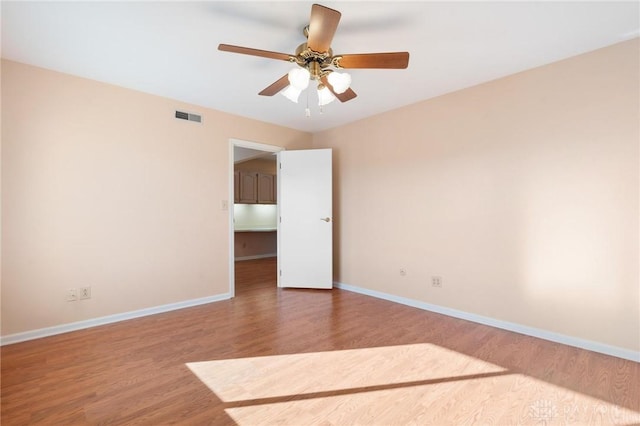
x: 273, y: 356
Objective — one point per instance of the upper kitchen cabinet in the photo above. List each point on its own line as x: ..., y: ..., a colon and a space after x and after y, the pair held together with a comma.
x: 255, y: 182
x: 266, y: 189
x: 236, y: 186
x: 248, y: 187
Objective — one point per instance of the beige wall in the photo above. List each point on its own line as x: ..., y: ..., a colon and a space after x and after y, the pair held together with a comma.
x: 521, y: 193
x: 103, y: 187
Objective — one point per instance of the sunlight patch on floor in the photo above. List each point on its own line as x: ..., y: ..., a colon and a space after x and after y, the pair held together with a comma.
x: 303, y: 373
x: 407, y: 384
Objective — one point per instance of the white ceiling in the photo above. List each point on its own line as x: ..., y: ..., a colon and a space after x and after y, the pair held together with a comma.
x: 170, y: 48
x: 241, y: 154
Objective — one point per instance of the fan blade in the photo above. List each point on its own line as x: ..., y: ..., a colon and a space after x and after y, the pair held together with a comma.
x: 277, y: 86
x: 345, y: 96
x: 322, y: 26
x: 254, y: 52
x: 395, y: 60
x: 342, y: 97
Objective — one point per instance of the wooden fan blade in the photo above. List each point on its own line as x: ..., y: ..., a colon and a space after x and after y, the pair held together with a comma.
x: 395, y: 60
x: 254, y: 52
x: 345, y: 96
x: 322, y: 26
x: 342, y: 97
x: 277, y: 86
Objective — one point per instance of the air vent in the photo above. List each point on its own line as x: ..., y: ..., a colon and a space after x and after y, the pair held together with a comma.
x: 187, y: 116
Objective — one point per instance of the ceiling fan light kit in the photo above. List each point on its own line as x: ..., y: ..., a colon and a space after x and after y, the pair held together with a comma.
x: 291, y: 93
x: 339, y: 81
x: 315, y: 61
x: 299, y: 78
x: 324, y: 95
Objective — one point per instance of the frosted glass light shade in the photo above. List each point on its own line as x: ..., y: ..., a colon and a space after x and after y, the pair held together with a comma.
x: 339, y: 81
x: 325, y: 96
x: 299, y: 78
x: 291, y: 93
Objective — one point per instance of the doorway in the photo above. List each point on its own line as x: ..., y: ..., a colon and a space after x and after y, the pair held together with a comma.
x: 241, y: 151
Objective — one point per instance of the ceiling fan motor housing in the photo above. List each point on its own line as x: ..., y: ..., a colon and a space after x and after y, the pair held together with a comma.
x: 316, y: 63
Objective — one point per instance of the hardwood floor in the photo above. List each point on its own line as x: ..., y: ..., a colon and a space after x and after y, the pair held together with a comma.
x: 303, y: 357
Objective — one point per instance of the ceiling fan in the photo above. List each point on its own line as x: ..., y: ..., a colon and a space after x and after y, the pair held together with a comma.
x: 316, y: 61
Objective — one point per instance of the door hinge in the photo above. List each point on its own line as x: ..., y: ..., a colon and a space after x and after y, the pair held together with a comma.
x: 280, y: 272
x: 280, y: 219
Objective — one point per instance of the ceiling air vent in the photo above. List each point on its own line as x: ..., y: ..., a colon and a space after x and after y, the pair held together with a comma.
x: 187, y: 116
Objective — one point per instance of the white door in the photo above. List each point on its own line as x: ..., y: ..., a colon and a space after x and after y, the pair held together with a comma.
x: 305, y: 256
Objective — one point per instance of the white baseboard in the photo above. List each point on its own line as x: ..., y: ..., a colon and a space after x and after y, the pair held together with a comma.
x: 257, y: 256
x: 65, y: 328
x: 505, y: 325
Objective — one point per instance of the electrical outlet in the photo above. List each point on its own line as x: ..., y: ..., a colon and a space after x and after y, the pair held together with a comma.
x: 436, y: 281
x: 72, y: 295
x: 403, y: 272
x: 85, y: 292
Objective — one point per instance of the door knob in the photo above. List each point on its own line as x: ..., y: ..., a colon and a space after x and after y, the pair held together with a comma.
x: 326, y: 219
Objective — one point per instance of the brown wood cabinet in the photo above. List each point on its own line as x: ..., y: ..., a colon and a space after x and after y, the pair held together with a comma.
x: 266, y: 189
x: 254, y: 188
x: 248, y: 187
x: 236, y: 187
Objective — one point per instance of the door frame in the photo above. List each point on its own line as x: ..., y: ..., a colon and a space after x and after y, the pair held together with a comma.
x: 241, y: 144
